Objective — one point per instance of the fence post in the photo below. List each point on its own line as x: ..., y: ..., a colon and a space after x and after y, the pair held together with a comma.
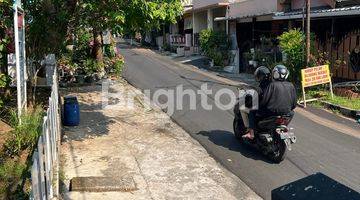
x: 50, y: 68
x: 35, y: 182
x: 48, y: 161
x: 42, y: 167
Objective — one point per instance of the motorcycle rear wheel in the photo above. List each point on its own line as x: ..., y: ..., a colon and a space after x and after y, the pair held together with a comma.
x: 280, y: 150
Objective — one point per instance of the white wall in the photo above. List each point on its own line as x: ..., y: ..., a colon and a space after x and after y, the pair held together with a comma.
x: 200, y: 21
x: 241, y: 8
x: 298, y: 4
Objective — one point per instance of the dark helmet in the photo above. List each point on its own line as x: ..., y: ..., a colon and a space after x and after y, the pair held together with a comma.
x: 262, y: 73
x: 280, y: 73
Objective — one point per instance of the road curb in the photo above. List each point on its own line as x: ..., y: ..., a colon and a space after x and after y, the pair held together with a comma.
x: 355, y: 114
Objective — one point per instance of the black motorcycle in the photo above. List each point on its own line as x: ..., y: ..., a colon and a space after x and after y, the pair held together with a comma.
x: 273, y: 137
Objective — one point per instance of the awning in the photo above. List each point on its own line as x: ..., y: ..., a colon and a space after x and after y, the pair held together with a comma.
x: 336, y: 12
x: 211, y: 6
x: 265, y: 17
x: 217, y: 19
x: 188, y: 9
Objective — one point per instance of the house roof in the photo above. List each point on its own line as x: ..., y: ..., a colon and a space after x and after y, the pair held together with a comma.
x: 335, y: 12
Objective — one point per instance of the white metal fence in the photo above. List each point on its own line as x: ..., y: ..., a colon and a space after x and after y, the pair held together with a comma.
x: 45, y: 168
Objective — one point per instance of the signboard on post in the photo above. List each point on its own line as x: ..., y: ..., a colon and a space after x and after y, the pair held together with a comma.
x: 315, y: 76
x: 20, y: 57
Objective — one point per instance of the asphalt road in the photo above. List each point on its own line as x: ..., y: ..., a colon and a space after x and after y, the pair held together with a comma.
x: 318, y: 149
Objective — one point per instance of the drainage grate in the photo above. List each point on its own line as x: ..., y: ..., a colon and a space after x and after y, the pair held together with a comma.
x: 102, y: 184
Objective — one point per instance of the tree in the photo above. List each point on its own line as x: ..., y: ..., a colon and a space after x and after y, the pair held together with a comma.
x: 6, y: 16
x: 129, y: 16
x: 47, y: 22
x: 166, y: 12
x: 52, y: 23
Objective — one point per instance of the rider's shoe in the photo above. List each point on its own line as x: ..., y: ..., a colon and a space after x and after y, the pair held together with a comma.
x: 249, y: 135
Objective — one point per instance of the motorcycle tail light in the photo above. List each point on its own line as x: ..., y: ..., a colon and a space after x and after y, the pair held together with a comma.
x: 281, y: 121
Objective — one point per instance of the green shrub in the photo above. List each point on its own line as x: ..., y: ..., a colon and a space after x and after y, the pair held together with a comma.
x: 216, y: 45
x: 115, y: 65
x: 82, y: 48
x: 293, y: 44
x: 166, y: 47
x: 4, y: 81
x: 26, y: 133
x: 11, y: 174
x: 11, y: 169
x: 118, y: 65
x: 66, y: 63
x: 109, y: 50
x: 91, y: 66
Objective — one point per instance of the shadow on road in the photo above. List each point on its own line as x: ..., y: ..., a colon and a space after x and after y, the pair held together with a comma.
x: 201, y: 63
x: 228, y: 140
x: 213, y: 82
x: 317, y: 186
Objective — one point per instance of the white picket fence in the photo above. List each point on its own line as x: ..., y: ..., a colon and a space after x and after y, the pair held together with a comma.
x: 45, y: 168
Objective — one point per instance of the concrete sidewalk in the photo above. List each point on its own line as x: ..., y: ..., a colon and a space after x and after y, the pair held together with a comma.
x: 143, y: 143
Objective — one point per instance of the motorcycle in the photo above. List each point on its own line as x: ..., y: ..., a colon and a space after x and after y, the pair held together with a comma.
x: 273, y: 137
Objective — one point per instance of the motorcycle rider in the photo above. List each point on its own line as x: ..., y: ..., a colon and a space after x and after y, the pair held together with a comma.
x: 263, y: 77
x: 277, y: 97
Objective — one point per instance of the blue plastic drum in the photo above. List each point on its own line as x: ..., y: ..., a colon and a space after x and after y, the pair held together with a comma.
x: 71, y: 111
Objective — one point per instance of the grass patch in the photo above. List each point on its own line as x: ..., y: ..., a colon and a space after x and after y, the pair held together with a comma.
x: 337, y: 100
x: 26, y: 133
x: 345, y: 102
x: 12, y: 173
x: 16, y: 154
x: 316, y: 104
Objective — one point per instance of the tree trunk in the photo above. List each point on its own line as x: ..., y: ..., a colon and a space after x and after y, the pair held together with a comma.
x: 164, y: 37
x: 3, y: 63
x: 308, y: 45
x: 97, y: 48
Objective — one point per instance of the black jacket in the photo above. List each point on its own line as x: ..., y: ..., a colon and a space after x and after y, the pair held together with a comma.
x: 277, y: 98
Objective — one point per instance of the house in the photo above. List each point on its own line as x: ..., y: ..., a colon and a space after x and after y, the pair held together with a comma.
x: 335, y: 23
x: 198, y: 15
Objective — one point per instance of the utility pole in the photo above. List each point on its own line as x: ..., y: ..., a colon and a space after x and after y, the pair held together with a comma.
x: 308, y: 39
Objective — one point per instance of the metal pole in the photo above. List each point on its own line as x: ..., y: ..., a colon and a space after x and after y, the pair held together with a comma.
x: 24, y: 62
x: 17, y: 58
x: 308, y: 6
x: 193, y: 28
